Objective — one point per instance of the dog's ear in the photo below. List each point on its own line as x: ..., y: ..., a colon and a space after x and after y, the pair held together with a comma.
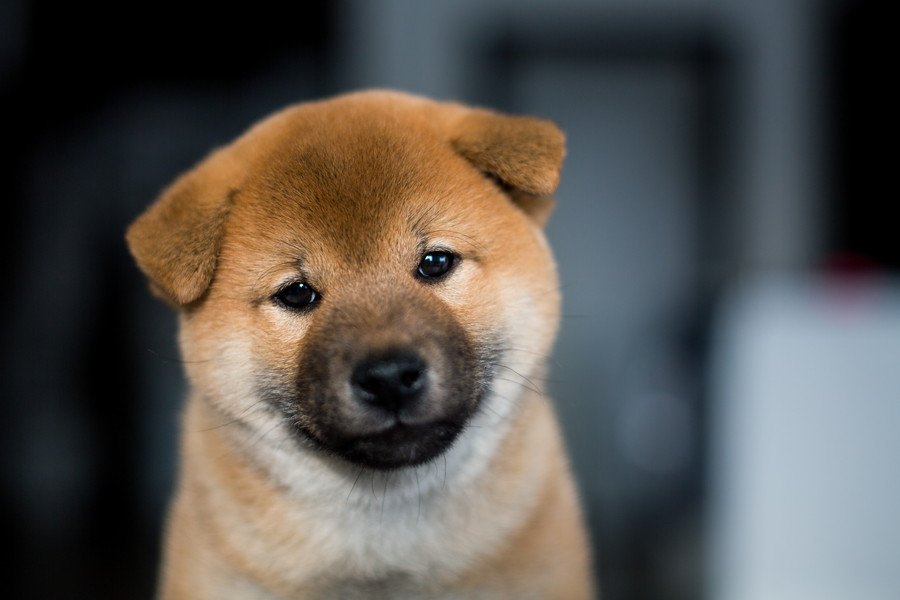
x: 176, y: 241
x: 523, y: 155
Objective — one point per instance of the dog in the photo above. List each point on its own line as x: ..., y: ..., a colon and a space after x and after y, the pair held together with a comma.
x: 366, y: 301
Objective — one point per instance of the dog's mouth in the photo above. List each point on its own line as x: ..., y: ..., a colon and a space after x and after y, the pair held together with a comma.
x: 399, y: 445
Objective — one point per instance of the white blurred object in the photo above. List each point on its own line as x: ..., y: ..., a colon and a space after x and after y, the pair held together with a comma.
x: 805, y: 442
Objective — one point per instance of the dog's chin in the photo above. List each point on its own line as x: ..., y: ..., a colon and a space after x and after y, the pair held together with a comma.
x: 400, y: 445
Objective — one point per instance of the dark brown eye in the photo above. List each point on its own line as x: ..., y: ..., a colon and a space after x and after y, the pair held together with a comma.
x: 297, y: 296
x: 436, y: 264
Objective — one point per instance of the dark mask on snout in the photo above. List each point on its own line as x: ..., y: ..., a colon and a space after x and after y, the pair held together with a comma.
x: 387, y: 382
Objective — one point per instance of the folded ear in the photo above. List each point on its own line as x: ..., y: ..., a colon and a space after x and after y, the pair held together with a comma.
x: 176, y: 241
x: 523, y: 154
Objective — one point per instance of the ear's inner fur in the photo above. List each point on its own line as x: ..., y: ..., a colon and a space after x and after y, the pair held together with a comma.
x: 538, y: 207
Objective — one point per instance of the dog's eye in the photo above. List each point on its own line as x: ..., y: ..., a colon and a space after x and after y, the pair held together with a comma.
x: 297, y: 295
x: 435, y: 264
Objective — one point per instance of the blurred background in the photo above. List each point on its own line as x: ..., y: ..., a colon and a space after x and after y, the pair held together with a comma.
x: 728, y: 371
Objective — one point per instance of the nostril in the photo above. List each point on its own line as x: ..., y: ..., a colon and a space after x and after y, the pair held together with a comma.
x: 366, y: 383
x: 410, y: 377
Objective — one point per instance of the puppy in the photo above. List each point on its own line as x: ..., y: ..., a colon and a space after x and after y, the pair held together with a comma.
x: 366, y: 302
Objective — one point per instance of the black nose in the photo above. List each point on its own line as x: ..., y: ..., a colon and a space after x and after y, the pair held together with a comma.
x: 390, y: 381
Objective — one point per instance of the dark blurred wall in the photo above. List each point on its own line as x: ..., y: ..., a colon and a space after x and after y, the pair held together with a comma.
x: 706, y: 141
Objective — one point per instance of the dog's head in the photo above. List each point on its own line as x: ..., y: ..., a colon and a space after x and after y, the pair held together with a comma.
x: 367, y: 268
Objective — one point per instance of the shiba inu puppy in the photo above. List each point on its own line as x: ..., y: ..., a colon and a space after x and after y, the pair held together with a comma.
x: 366, y: 303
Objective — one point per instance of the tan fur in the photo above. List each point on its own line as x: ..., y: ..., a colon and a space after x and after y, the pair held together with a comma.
x: 347, y: 191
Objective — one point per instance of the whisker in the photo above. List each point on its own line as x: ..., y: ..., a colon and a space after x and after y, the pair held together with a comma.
x: 528, y: 351
x: 494, y: 412
x: 419, y: 490
x: 284, y: 441
x: 373, y: 485
x: 519, y: 383
x: 534, y: 385
x: 384, y: 493
x: 266, y: 433
x: 240, y: 417
x: 257, y: 439
x: 175, y: 359
x: 354, y: 484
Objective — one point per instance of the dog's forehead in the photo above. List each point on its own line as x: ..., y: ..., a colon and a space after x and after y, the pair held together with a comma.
x: 359, y: 185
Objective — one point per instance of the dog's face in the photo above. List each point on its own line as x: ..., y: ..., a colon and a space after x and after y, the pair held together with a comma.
x: 366, y: 268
